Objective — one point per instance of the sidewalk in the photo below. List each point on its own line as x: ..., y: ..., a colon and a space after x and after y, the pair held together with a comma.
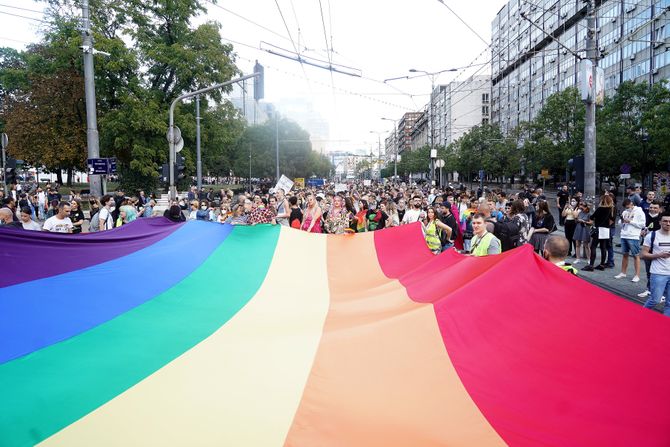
x: 604, y: 279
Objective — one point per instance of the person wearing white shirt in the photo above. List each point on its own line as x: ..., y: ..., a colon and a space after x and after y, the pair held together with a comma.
x: 413, y: 214
x: 60, y: 223
x: 656, y: 248
x: 633, y: 221
x: 26, y: 220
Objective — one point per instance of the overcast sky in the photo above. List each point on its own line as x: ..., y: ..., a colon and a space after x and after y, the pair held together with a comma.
x: 378, y: 39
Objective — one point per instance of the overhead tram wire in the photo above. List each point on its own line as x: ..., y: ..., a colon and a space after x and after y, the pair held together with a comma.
x: 325, y: 38
x: 344, y: 91
x: 23, y: 17
x: 295, y: 48
x: 464, y: 22
x: 248, y: 20
x: 21, y: 9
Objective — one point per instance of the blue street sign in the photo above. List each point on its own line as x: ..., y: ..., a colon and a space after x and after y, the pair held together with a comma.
x: 101, y: 166
x: 315, y: 182
x: 625, y: 168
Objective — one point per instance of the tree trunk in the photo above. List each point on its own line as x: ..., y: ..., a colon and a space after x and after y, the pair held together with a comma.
x: 59, y: 176
x: 70, y: 174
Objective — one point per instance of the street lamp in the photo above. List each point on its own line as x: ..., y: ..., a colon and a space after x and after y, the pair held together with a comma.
x: 395, y: 145
x: 433, y: 152
x: 379, y: 149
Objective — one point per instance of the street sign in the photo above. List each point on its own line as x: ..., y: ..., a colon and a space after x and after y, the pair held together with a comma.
x: 439, y: 163
x: 625, y: 169
x: 97, y: 166
x: 481, y: 173
x: 4, y: 140
x: 624, y: 176
x: 179, y: 146
x: 174, y: 137
x: 545, y: 173
x: 101, y: 166
x: 299, y: 182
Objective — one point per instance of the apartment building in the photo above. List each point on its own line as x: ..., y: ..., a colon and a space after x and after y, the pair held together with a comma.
x: 537, y: 45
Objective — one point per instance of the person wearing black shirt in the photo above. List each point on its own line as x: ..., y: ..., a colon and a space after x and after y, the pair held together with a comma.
x: 76, y: 216
x: 602, y: 219
x: 448, y: 218
x: 562, y: 197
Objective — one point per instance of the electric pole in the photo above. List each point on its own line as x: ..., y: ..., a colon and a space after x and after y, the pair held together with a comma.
x: 95, y: 184
x: 198, y: 166
x: 590, y: 128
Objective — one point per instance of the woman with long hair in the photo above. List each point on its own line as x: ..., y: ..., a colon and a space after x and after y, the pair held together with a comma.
x: 543, y: 225
x: 312, y: 215
x: 76, y: 216
x: 432, y: 229
x: 582, y: 235
x: 569, y: 214
x: 602, y: 219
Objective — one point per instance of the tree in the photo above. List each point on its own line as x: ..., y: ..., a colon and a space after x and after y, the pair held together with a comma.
x: 556, y: 133
x: 632, y: 130
x: 484, y: 147
x: 155, y: 57
x: 296, y: 157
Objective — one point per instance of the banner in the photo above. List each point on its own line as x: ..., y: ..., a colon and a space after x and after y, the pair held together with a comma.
x: 284, y: 183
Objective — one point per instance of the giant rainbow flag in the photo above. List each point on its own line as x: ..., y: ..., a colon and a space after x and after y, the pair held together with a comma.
x: 200, y: 334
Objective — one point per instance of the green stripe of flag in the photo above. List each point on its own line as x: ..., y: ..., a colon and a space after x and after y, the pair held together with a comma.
x: 49, y: 389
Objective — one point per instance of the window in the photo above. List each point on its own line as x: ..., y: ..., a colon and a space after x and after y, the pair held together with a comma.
x: 485, y: 98
x: 485, y: 110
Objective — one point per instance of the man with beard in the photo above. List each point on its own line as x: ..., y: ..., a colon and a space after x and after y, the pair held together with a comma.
x: 414, y: 214
x: 652, y: 223
x: 447, y: 217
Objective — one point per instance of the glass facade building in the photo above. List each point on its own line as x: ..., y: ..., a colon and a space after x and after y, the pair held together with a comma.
x: 529, y: 64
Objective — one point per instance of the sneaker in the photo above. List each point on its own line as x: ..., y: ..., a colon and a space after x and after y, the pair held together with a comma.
x: 588, y: 268
x: 577, y: 261
x: 609, y: 266
x: 644, y: 294
x: 600, y: 267
x: 662, y: 300
x: 623, y: 275
x: 635, y: 278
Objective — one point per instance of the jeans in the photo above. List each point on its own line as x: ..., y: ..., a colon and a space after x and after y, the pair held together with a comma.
x: 447, y: 246
x: 647, y: 267
x: 610, y: 249
x: 660, y: 286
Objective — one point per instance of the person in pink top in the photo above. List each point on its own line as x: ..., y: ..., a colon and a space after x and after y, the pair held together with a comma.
x: 312, y: 216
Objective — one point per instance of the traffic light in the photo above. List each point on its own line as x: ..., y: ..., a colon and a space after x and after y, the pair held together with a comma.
x: 259, y: 82
x: 576, y: 166
x: 179, y: 167
x: 165, y: 173
x: 10, y: 176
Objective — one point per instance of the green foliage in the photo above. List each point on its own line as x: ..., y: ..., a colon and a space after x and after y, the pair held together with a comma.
x: 632, y: 129
x: 257, y: 146
x: 557, y: 133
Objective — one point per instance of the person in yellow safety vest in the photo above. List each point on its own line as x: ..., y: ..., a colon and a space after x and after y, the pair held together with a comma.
x: 555, y: 251
x: 432, y: 228
x: 483, y: 242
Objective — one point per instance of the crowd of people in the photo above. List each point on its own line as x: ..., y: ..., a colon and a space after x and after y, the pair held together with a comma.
x: 478, y: 222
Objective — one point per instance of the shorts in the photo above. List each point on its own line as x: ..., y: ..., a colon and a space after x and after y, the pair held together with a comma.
x: 630, y: 246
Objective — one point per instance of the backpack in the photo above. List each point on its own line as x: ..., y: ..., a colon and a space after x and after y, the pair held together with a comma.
x: 373, y: 219
x: 508, y: 232
x: 94, y: 225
